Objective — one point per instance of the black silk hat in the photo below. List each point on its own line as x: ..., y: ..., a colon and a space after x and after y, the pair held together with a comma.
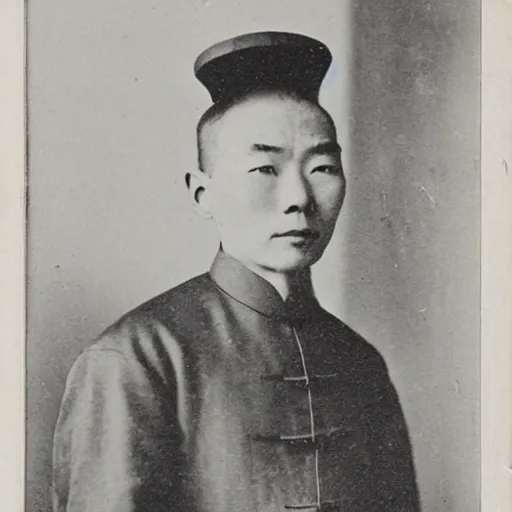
x: 263, y: 61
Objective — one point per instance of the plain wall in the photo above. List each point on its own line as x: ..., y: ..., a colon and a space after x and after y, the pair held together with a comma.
x: 112, y: 110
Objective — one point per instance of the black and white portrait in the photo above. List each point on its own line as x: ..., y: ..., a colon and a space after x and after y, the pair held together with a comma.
x: 253, y: 256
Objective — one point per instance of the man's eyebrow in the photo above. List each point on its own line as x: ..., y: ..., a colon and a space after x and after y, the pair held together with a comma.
x: 267, y: 148
x: 325, y: 148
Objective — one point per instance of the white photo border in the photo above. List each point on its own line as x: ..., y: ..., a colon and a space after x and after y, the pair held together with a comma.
x: 12, y: 253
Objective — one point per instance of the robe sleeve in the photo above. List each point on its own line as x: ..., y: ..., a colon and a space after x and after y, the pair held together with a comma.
x: 117, y: 442
x: 395, y: 479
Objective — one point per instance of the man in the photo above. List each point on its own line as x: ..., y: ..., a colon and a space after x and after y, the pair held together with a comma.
x: 236, y: 391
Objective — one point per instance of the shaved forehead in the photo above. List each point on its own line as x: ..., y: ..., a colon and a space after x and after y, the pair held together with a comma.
x: 270, y: 119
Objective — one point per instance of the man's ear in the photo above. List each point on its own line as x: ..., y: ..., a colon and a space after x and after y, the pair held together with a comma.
x: 197, y: 185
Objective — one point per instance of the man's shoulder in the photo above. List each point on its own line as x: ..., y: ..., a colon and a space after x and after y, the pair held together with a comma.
x: 350, y: 346
x: 170, y: 317
x: 184, y: 300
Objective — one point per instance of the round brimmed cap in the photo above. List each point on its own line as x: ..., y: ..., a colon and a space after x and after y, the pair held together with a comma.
x: 261, y: 61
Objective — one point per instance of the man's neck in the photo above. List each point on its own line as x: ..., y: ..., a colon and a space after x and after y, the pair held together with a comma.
x: 286, y: 283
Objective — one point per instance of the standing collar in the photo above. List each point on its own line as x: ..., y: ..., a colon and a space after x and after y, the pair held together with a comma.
x: 250, y: 289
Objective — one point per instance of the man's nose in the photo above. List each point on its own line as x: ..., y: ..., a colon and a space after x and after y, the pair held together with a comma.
x: 295, y: 192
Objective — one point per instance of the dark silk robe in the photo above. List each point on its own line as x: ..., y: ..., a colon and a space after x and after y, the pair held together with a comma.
x: 217, y: 396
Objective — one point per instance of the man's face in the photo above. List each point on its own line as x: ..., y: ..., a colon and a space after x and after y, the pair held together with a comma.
x: 276, y: 183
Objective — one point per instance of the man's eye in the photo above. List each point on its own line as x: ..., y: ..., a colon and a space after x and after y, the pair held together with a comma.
x: 327, y: 169
x: 265, y: 169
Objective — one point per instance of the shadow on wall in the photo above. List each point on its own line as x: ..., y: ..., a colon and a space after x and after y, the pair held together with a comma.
x: 412, y: 245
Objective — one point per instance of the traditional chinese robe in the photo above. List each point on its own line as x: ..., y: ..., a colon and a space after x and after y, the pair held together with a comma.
x: 217, y: 396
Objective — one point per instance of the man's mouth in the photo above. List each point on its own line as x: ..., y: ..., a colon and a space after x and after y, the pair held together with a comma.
x: 303, y: 234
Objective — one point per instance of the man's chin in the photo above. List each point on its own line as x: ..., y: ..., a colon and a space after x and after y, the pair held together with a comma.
x: 293, y: 260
